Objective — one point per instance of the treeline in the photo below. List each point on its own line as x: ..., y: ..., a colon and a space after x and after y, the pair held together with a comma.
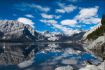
x: 99, y: 31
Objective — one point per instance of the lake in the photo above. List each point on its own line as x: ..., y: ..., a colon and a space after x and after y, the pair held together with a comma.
x: 43, y: 56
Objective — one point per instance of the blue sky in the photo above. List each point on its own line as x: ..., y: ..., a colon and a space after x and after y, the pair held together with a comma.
x: 66, y: 16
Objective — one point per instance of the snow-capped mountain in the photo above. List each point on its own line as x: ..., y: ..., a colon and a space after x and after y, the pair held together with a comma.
x: 11, y: 30
x: 51, y: 36
x: 57, y: 36
x: 15, y: 31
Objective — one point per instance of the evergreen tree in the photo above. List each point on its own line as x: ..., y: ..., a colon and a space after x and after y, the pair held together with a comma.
x: 103, y: 20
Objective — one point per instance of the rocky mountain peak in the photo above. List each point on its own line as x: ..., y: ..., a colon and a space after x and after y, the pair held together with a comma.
x: 14, y: 30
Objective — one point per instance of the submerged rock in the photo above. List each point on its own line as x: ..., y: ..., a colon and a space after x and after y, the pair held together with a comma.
x: 90, y: 67
x: 94, y: 67
x: 64, y: 68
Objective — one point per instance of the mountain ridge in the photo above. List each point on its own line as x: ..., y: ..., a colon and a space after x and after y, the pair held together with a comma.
x: 14, y: 31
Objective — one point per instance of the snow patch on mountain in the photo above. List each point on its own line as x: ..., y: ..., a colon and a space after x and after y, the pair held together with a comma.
x: 51, y: 36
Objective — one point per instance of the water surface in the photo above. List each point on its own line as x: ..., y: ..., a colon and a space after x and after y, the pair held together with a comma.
x: 45, y: 56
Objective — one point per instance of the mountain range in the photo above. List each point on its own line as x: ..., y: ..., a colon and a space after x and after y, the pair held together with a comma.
x: 15, y: 31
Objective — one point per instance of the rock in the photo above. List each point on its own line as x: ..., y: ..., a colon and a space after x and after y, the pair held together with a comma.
x: 90, y: 67
x: 97, y: 43
x: 94, y: 67
x: 64, y: 68
x: 102, y: 66
x: 69, y: 61
x: 97, y: 47
x: 25, y: 64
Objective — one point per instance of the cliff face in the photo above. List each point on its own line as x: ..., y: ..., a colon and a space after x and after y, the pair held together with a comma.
x: 15, y: 31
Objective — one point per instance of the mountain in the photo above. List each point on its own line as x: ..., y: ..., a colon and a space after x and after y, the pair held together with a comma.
x: 95, y: 39
x: 96, y: 31
x: 57, y: 36
x: 50, y: 36
x: 15, y: 31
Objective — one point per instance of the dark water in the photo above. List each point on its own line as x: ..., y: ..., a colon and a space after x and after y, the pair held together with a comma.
x: 45, y: 56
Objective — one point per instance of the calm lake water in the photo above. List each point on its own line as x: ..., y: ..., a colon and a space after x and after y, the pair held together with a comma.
x: 44, y: 56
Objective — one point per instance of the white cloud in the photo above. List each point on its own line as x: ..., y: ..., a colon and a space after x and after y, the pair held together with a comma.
x: 26, y: 21
x: 88, y: 16
x: 60, y: 10
x: 29, y: 15
x: 87, y: 13
x: 92, y: 21
x: 49, y: 21
x: 55, y: 25
x: 68, y: 22
x: 48, y: 16
x: 41, y: 8
x: 69, y: 8
x: 65, y: 8
x: 57, y: 17
x: 66, y: 31
x: 27, y: 7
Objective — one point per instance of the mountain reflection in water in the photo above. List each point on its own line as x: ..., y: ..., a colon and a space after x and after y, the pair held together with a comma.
x: 46, y: 56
